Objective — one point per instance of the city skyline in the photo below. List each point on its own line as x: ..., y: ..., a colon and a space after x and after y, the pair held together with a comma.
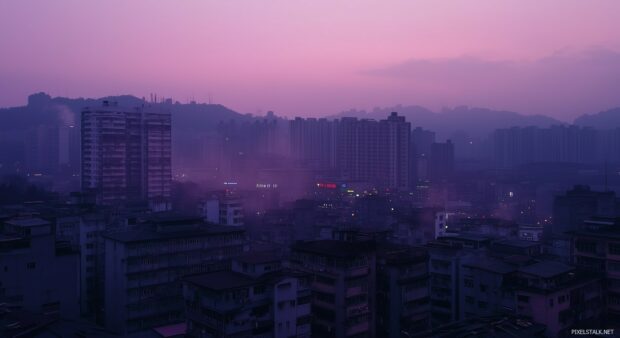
x: 279, y: 169
x: 554, y: 58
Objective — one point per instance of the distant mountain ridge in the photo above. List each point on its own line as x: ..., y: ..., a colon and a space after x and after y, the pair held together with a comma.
x: 43, y: 109
x: 608, y: 119
x: 197, y: 117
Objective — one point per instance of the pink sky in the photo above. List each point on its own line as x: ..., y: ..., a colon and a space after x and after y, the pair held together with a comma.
x: 560, y: 58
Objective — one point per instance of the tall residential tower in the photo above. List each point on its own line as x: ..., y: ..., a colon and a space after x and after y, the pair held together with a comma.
x: 126, y: 155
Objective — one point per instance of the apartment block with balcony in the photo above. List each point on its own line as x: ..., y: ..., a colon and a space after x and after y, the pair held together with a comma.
x: 144, y: 267
x: 343, y: 286
x: 597, y: 249
x: 403, y: 303
x: 37, y: 273
x: 485, y: 284
x: 257, y: 298
x: 559, y: 296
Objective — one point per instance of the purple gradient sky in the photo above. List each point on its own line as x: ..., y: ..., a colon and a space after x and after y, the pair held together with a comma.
x: 559, y: 58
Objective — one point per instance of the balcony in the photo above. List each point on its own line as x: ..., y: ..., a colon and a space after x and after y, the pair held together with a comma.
x: 355, y: 290
x: 323, y: 287
x: 357, y: 328
x: 415, y: 294
x: 357, y: 272
x: 356, y: 310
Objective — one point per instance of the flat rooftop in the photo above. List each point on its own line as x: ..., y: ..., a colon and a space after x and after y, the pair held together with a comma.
x: 28, y: 222
x: 546, y: 269
x: 221, y: 280
x: 490, y: 264
x: 335, y: 248
x: 519, y: 243
x: 150, y: 234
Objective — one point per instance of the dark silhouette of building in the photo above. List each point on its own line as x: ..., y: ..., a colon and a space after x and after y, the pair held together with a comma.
x: 573, y: 208
x: 441, y: 161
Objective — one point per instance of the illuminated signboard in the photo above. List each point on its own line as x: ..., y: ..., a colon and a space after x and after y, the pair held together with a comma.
x: 266, y: 185
x: 326, y: 185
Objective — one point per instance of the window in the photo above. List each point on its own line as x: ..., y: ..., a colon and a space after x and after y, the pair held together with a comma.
x: 483, y: 288
x: 551, y: 302
x: 482, y: 305
x: 259, y: 289
x: 31, y: 265
x: 523, y: 298
x: 585, y: 246
x: 561, y: 299
x: 614, y: 248
x: 469, y: 299
x: 469, y: 283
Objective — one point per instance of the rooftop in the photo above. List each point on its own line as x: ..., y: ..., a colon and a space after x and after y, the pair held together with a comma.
x: 259, y: 257
x: 497, y: 326
x: 28, y: 222
x: 335, y: 248
x: 517, y: 243
x: 221, y: 280
x: 610, y: 232
x: 490, y: 264
x: 466, y: 236
x: 546, y: 269
x: 143, y: 234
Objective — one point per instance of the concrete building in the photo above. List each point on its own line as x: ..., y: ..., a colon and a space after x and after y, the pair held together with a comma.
x: 597, y: 248
x: 38, y: 274
x: 485, y: 285
x: 222, y: 208
x: 578, y: 204
x: 257, y: 298
x: 374, y: 151
x: 421, y: 141
x: 559, y: 296
x: 343, y: 286
x: 312, y: 142
x: 126, y: 155
x: 144, y: 267
x: 403, y: 303
x: 444, y: 280
x: 441, y: 164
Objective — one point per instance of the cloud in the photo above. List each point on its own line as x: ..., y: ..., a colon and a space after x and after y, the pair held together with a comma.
x: 564, y: 84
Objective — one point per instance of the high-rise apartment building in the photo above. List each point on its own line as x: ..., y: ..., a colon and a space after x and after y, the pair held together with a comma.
x: 126, y: 155
x: 360, y: 150
x: 441, y: 161
x: 374, y: 151
x: 145, y: 265
x: 312, y: 142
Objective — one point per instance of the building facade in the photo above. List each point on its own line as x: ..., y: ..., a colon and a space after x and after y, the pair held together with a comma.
x: 126, y: 155
x: 144, y: 267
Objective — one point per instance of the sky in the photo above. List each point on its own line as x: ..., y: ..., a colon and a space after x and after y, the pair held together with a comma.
x: 313, y: 58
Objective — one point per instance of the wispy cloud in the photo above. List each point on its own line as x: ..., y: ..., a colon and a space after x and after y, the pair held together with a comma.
x: 566, y: 83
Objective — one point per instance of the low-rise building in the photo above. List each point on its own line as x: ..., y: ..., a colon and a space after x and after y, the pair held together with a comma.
x: 403, y: 302
x: 559, y: 296
x: 343, y: 286
x: 597, y: 249
x: 144, y: 267
x: 257, y: 298
x: 37, y: 273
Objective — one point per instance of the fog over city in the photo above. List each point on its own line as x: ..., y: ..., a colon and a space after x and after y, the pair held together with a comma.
x: 309, y: 169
